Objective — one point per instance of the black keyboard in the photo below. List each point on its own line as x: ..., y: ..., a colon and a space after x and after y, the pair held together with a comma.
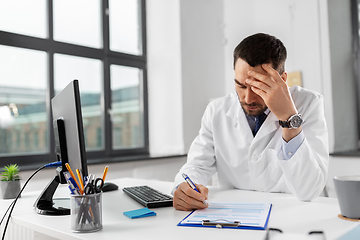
x: 148, y: 196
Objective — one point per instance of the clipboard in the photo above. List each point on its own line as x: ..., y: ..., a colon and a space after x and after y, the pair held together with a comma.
x: 229, y: 210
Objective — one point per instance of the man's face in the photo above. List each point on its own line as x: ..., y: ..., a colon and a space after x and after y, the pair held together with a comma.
x: 252, y: 103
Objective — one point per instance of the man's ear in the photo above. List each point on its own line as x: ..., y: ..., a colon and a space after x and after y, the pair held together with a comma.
x: 284, y: 76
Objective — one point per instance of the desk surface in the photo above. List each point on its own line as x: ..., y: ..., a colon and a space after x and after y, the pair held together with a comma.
x: 288, y: 214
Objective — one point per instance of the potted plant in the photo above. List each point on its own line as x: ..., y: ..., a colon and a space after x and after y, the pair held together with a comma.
x: 10, y: 181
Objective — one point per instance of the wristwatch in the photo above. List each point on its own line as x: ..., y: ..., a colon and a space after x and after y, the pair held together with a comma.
x: 293, y: 122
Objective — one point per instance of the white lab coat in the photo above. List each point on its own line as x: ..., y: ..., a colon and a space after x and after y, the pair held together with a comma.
x: 225, y: 145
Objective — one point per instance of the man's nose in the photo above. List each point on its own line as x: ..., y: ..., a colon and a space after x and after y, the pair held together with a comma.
x: 250, y: 96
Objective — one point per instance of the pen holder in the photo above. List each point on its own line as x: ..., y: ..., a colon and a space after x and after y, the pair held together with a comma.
x: 86, y: 212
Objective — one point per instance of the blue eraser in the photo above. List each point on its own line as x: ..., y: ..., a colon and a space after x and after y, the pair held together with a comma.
x: 139, y: 213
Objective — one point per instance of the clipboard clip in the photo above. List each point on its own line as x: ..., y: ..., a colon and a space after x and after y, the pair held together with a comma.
x: 220, y: 223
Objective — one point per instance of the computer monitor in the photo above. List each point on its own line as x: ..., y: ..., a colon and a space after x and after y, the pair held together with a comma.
x: 66, y: 108
x: 69, y: 147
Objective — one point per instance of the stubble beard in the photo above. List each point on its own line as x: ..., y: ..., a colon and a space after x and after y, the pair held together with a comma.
x: 259, y: 110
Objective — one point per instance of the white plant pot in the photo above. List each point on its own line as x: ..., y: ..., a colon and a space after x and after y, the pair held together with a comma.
x: 10, y: 189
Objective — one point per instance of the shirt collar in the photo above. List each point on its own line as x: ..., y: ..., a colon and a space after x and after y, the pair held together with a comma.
x: 267, y: 112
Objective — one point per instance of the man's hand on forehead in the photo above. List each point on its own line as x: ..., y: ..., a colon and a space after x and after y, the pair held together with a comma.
x: 272, y: 88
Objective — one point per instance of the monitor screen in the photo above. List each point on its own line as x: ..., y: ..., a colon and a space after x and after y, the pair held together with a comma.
x: 68, y: 129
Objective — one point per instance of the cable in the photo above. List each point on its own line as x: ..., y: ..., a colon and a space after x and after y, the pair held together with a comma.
x: 53, y: 164
x: 17, y: 197
x: 12, y: 205
x: 6, y: 212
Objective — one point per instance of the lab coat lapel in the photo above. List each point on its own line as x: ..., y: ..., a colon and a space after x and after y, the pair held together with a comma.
x: 271, y: 124
x: 238, y: 118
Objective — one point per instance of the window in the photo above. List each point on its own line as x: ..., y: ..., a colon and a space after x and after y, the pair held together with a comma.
x: 126, y: 106
x: 24, y: 17
x: 71, y: 67
x: 78, y: 24
x: 124, y: 22
x: 45, y: 44
x: 23, y: 81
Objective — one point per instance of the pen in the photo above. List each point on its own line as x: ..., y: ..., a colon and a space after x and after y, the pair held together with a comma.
x: 74, y: 184
x: 188, y: 180
x: 191, y: 184
x: 73, y: 176
x: 88, y: 178
x: 105, y: 172
x: 71, y: 186
x: 73, y: 189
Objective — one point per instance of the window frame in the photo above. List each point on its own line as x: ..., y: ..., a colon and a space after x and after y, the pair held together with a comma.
x: 108, y: 57
x: 356, y: 56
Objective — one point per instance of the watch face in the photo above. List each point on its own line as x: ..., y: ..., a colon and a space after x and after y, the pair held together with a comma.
x: 296, y: 121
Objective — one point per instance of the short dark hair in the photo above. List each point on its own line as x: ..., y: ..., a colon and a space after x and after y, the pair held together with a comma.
x: 262, y: 48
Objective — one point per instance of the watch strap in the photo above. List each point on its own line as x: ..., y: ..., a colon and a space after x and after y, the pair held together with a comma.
x: 284, y: 124
x: 287, y: 123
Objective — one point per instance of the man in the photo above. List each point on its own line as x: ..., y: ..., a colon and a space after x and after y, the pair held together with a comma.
x: 288, y: 152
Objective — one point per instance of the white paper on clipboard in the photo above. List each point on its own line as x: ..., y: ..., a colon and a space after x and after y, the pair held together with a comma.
x: 248, y: 214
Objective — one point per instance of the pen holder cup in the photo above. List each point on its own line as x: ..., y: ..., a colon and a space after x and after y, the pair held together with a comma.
x: 86, y: 212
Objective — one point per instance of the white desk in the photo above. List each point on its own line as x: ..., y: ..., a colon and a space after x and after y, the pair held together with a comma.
x: 288, y: 214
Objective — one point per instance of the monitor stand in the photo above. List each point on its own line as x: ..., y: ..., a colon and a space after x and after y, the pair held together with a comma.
x: 46, y: 205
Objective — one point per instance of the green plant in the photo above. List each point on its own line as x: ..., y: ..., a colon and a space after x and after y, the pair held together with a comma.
x: 10, y: 173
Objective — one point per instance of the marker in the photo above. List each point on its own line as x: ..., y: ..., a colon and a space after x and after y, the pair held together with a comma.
x: 105, y: 172
x: 191, y: 184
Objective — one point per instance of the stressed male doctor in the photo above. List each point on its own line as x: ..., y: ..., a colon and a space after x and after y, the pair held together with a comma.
x: 265, y: 137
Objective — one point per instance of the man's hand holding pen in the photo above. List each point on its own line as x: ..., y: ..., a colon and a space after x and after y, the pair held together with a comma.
x: 186, y: 198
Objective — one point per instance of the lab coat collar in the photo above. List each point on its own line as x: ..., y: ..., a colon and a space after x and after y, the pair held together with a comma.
x: 270, y: 125
x: 238, y: 118
x: 240, y: 122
